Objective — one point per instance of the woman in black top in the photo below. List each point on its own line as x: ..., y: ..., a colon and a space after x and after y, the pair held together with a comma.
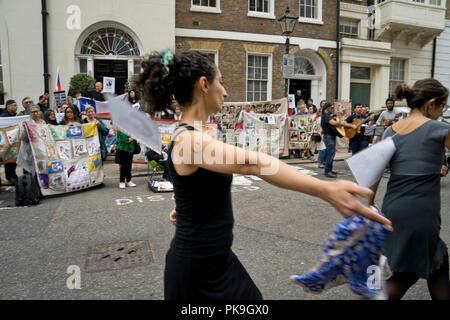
x: 200, y: 263
x: 50, y: 118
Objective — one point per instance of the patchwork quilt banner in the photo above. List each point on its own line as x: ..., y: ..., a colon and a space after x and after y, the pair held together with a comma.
x: 67, y: 158
x: 300, y: 131
x: 9, y: 143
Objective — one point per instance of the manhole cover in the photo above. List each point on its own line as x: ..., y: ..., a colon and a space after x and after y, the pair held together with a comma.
x: 117, y: 256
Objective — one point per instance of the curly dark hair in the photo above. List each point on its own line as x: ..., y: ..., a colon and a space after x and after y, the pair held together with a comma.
x: 160, y: 86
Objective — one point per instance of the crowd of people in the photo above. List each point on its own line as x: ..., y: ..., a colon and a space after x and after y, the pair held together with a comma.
x: 200, y: 263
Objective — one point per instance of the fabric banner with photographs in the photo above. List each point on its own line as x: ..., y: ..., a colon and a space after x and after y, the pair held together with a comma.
x: 262, y: 133
x: 67, y: 158
x: 9, y: 143
x: 229, y: 114
x: 276, y: 132
x: 342, y: 109
x: 300, y: 131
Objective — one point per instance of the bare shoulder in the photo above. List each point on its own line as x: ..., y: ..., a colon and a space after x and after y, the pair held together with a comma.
x: 408, y: 125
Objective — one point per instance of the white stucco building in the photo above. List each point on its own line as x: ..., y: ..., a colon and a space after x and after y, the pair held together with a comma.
x: 97, y: 37
x: 398, y: 48
x: 442, y: 64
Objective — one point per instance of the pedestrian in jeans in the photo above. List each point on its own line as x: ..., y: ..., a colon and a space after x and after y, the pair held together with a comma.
x: 124, y: 157
x: 329, y: 136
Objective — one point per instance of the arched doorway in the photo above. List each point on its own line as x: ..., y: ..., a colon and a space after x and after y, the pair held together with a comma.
x: 310, y: 77
x: 109, y: 50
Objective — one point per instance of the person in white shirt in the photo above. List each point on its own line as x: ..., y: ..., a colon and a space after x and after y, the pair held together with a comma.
x: 247, y: 109
x: 178, y: 114
x: 389, y: 116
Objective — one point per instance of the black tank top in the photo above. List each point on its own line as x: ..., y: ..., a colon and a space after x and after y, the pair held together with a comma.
x: 204, y: 211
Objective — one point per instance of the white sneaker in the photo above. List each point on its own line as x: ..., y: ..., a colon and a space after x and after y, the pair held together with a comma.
x: 122, y: 185
x: 131, y: 184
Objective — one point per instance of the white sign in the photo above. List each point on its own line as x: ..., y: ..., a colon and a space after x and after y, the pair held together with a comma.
x: 109, y: 84
x: 288, y: 65
x: 291, y: 98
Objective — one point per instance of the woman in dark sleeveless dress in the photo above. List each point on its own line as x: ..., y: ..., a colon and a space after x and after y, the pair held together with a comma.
x: 200, y: 263
x: 412, y: 200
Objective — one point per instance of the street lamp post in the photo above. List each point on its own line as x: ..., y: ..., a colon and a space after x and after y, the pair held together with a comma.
x: 287, y: 23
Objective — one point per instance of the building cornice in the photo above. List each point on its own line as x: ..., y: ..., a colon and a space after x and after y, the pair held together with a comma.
x: 304, y: 43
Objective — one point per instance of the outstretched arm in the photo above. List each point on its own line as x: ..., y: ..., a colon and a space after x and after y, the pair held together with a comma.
x: 213, y: 155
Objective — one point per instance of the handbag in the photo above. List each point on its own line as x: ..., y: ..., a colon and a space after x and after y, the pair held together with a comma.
x: 315, y: 137
x: 137, y: 147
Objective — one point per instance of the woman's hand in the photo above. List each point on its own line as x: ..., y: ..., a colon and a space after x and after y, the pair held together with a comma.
x: 97, y: 123
x: 343, y: 196
x: 173, y: 217
x: 130, y: 139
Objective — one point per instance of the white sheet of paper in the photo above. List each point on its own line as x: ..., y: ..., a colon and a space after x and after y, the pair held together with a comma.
x: 291, y: 98
x: 271, y: 119
x: 368, y: 165
x: 134, y: 123
x: 109, y: 84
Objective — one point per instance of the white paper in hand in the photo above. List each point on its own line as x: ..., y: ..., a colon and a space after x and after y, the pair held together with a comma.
x: 368, y: 165
x: 134, y: 123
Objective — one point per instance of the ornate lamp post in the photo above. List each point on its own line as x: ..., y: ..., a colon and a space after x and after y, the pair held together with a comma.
x: 287, y: 23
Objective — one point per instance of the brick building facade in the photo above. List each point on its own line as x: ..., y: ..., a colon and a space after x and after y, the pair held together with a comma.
x: 246, y: 42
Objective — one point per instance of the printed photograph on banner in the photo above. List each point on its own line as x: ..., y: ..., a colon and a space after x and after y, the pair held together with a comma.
x: 12, y: 153
x: 42, y: 166
x: 93, y: 146
x: 43, y: 180
x: 3, y: 140
x: 74, y: 132
x: 40, y: 151
x: 13, y: 135
x: 293, y: 135
x: 32, y: 132
x: 52, y: 153
x: 57, y: 182
x: 79, y: 148
x: 77, y: 176
x: 58, y: 132
x: 90, y: 130
x: 64, y: 150
x: 44, y: 134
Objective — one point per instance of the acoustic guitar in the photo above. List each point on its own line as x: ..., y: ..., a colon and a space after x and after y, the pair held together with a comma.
x: 339, y: 131
x: 350, y: 132
x: 390, y: 122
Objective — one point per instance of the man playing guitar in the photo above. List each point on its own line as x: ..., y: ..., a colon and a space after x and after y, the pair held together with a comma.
x: 389, y: 116
x: 329, y: 123
x: 358, y: 140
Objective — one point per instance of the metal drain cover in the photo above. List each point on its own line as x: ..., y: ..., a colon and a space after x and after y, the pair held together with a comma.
x: 116, y: 256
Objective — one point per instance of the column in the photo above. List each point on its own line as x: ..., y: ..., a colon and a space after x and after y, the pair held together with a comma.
x: 344, y: 93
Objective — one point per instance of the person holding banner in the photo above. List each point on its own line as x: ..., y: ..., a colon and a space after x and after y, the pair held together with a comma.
x: 412, y: 200
x: 200, y: 263
x: 10, y: 168
x: 25, y: 157
x: 103, y: 131
x: 50, y: 118
x: 70, y: 117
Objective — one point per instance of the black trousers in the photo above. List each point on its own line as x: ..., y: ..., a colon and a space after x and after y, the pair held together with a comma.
x: 10, y: 171
x: 126, y: 162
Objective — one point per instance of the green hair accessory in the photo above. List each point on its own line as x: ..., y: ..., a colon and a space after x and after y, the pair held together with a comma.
x: 166, y: 59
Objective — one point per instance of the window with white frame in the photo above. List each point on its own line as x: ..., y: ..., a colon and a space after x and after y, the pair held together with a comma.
x: 310, y: 11
x: 261, y: 8
x: 348, y: 28
x: 435, y: 2
x: 258, y: 77
x: 211, y: 54
x: 421, y: 1
x: 212, y: 6
x: 396, y: 74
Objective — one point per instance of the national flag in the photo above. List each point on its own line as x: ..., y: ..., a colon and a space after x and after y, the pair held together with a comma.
x: 58, y: 81
x: 85, y: 102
